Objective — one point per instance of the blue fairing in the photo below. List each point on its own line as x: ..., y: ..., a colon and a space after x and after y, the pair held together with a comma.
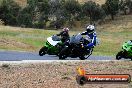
x: 93, y: 37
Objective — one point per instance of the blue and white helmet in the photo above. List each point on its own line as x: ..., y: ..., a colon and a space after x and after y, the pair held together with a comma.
x: 90, y: 28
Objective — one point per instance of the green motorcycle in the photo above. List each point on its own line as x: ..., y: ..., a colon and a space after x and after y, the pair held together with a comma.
x: 51, y: 46
x: 126, y: 51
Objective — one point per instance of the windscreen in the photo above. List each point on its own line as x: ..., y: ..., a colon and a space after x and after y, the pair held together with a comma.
x: 76, y: 38
x: 55, y: 38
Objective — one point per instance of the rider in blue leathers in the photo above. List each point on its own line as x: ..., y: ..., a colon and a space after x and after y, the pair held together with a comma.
x: 90, y: 34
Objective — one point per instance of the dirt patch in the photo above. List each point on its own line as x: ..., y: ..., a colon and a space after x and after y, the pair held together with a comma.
x: 97, y: 1
x: 59, y: 74
x: 22, y: 3
x: 14, y: 44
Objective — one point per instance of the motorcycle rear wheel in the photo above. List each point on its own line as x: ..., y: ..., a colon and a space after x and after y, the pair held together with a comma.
x: 63, y: 53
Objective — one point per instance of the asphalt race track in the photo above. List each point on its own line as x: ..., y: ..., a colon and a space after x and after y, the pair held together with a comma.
x: 20, y: 56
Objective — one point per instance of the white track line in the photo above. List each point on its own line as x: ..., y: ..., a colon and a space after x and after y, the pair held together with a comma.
x: 50, y: 61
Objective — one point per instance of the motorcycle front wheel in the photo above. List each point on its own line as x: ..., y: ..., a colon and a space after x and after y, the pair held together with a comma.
x: 86, y: 55
x: 82, y: 58
x: 119, y: 55
x: 42, y: 51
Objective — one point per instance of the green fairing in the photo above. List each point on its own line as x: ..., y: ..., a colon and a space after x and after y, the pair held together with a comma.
x: 126, y: 52
x: 127, y: 47
x: 50, y: 49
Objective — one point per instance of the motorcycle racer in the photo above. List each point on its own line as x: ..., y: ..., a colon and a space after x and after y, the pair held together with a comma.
x: 64, y: 34
x: 90, y: 35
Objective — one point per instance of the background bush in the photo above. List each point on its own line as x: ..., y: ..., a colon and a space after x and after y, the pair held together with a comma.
x: 59, y: 13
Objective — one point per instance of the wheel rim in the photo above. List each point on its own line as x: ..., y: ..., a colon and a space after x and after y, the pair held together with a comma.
x: 42, y: 51
x: 63, y: 53
x: 62, y: 56
x: 87, y: 55
x: 118, y: 57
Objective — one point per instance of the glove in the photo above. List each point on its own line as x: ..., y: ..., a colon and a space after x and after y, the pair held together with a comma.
x: 86, y: 46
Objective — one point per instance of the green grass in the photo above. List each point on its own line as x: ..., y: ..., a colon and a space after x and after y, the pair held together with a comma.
x: 111, y: 43
x: 30, y: 37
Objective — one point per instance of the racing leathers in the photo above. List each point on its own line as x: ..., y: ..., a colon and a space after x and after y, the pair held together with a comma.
x: 92, y: 37
x: 64, y: 36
